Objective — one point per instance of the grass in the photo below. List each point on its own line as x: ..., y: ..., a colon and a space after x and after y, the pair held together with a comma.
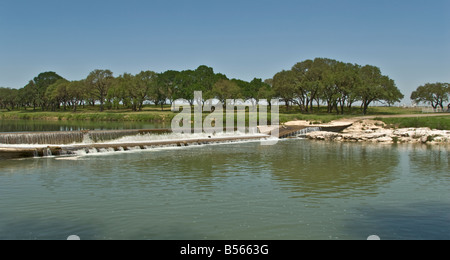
x: 155, y: 115
x: 321, y: 115
x: 92, y: 114
x: 439, y: 123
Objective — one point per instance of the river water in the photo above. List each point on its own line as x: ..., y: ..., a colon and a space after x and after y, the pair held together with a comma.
x: 297, y: 189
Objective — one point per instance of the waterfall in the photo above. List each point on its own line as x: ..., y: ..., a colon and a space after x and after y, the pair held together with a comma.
x: 302, y: 133
x: 47, y: 152
x: 65, y: 137
x: 87, y: 139
x: 40, y: 144
x: 41, y: 138
x: 102, y: 136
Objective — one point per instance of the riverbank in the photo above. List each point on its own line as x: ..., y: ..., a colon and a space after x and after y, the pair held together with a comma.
x: 156, y: 115
x: 110, y: 116
x: 376, y: 131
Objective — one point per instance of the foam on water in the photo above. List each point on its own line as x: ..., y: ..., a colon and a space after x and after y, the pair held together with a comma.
x: 176, y: 137
x: 67, y: 150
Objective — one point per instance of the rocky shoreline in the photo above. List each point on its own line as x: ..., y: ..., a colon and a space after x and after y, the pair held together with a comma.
x: 377, y: 132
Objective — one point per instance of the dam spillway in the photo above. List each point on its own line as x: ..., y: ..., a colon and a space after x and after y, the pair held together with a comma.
x: 44, y: 144
x: 70, y: 137
x: 144, y: 140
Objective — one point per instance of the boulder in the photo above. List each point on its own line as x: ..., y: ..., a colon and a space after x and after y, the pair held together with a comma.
x: 385, y: 139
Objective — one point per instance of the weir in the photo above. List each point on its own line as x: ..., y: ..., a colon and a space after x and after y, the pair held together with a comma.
x: 72, y: 136
x: 45, y: 144
x: 77, y: 149
x: 302, y: 130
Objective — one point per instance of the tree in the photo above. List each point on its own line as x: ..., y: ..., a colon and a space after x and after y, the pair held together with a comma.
x: 376, y: 87
x: 146, y: 87
x: 245, y: 91
x: 167, y: 84
x: 250, y: 90
x: 226, y: 89
x: 392, y: 93
x: 186, y: 85
x: 8, y: 98
x: 434, y: 93
x: 266, y: 92
x: 56, y: 94
x: 100, y: 81
x: 305, y: 84
x: 347, y: 80
x: 30, y: 92
x: 41, y: 83
x: 204, y: 78
x: 284, y: 86
x: 76, y: 91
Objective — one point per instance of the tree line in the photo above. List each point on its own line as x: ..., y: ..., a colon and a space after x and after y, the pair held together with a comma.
x: 308, y: 83
x: 337, y: 84
x: 50, y: 92
x: 435, y: 94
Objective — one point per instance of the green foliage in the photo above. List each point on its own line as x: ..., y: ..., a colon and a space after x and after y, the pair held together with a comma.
x: 226, y: 89
x: 433, y: 93
x: 439, y: 123
x: 9, y: 98
x: 338, y: 84
x: 306, y: 86
x: 99, y: 81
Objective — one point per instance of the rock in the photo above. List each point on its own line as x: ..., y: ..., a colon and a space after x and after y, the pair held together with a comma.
x: 385, y: 139
x: 424, y: 139
x: 370, y: 131
x: 375, y: 135
x: 322, y: 135
x: 405, y: 140
x: 439, y: 139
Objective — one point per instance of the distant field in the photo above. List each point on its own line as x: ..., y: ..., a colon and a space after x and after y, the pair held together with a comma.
x: 439, y: 123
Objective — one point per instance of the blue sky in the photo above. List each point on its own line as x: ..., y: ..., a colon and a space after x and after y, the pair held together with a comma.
x: 408, y: 40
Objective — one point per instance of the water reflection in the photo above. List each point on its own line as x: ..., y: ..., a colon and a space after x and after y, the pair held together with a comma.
x: 308, y: 169
x: 430, y: 160
x: 334, y: 170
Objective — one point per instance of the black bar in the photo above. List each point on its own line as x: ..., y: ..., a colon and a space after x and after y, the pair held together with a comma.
x: 225, y: 249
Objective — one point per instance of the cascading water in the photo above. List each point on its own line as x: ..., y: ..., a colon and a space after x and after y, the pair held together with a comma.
x: 42, y: 138
x: 302, y: 133
x: 61, y: 144
x: 48, y: 152
x: 60, y: 138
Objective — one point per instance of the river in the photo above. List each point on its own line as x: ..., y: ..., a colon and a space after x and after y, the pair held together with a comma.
x: 297, y: 189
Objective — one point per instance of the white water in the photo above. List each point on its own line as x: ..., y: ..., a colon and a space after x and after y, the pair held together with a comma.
x: 302, y: 133
x: 146, y: 138
x: 137, y: 139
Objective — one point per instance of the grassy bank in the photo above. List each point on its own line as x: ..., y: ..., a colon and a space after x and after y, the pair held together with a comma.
x: 118, y: 117
x: 153, y: 114
x: 439, y: 123
x: 148, y: 115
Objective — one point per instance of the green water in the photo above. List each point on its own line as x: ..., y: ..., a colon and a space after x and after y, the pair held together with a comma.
x: 297, y: 189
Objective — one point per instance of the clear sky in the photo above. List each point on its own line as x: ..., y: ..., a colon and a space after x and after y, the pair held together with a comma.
x: 408, y: 39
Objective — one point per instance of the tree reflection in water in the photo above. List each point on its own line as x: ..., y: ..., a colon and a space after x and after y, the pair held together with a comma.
x: 324, y: 169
